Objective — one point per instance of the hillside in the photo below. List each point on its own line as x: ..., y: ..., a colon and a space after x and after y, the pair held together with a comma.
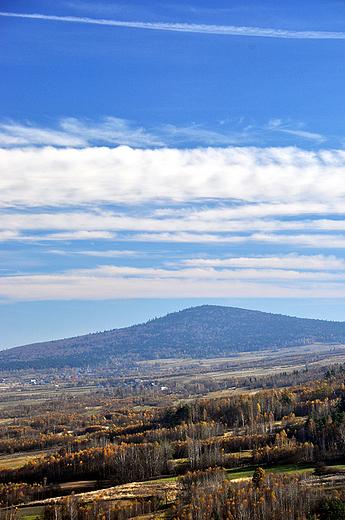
x: 205, y: 331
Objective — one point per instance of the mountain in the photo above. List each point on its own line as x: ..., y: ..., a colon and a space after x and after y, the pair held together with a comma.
x: 197, y: 332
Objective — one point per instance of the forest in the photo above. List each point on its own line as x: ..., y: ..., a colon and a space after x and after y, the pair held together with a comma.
x: 254, y: 454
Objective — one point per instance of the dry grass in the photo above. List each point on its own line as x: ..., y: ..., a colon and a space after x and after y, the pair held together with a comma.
x: 134, y: 490
x: 167, y: 489
x: 16, y: 460
x: 246, y: 364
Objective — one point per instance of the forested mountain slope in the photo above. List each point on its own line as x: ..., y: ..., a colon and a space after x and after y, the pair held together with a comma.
x: 205, y: 331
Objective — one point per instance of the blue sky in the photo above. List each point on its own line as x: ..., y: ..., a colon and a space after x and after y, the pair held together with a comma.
x: 156, y: 155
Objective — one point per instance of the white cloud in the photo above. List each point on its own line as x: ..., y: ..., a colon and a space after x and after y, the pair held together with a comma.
x: 111, y: 130
x: 288, y: 128
x: 188, y: 221
x: 99, y: 254
x: 290, y: 261
x: 317, y: 241
x: 77, y: 134
x: 12, y: 134
x: 240, y: 211
x: 110, y: 282
x: 79, y: 235
x: 193, y: 222
x: 111, y: 254
x: 72, y: 132
x: 234, y: 203
x: 203, y: 273
x: 254, y: 133
x: 197, y: 133
x: 8, y: 235
x: 191, y: 28
x: 54, y: 177
x: 200, y: 238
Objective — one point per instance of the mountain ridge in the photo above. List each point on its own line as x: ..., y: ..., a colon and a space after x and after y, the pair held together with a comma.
x: 195, y: 332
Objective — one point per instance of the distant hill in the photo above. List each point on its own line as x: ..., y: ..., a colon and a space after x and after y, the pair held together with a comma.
x: 198, y: 332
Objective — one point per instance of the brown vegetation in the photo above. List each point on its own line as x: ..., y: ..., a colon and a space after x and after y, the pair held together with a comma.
x: 105, y: 440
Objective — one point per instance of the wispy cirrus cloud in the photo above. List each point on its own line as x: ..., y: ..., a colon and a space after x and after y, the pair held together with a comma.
x: 199, y: 134
x: 277, y: 125
x: 14, y: 134
x: 111, y: 131
x: 226, y: 30
x: 77, y: 134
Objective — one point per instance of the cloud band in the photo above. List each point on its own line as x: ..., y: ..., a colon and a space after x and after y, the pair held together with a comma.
x: 227, y: 30
x: 53, y: 177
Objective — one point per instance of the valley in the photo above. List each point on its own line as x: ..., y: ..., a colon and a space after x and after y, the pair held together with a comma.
x: 176, y: 438
x: 95, y: 416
